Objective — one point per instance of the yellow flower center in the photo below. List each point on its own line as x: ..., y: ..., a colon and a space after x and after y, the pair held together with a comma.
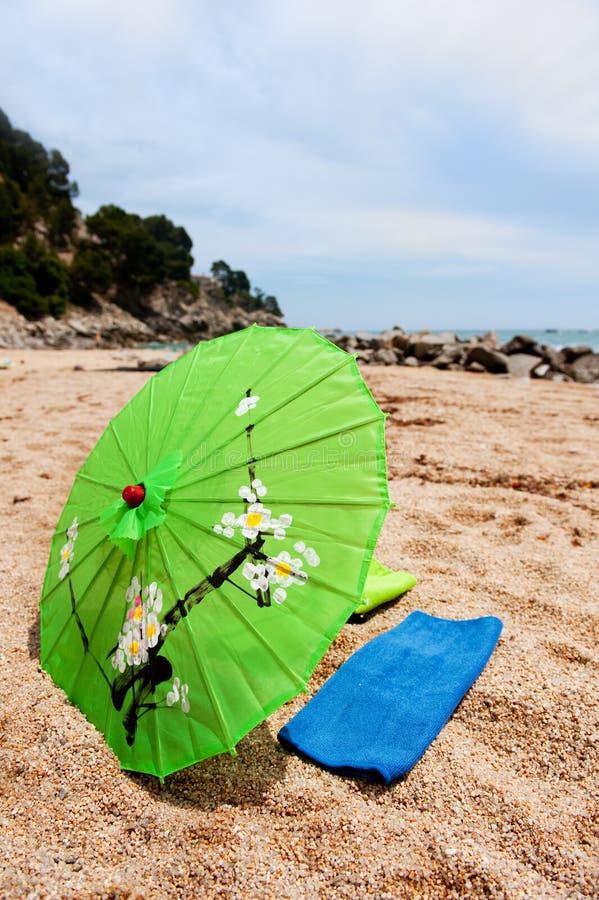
x: 151, y: 630
x: 133, y: 648
x: 283, y: 570
x: 254, y: 519
x: 65, y: 554
x: 138, y: 613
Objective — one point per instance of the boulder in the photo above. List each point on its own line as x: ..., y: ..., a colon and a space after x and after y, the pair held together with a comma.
x: 522, y: 364
x: 571, y: 354
x: 552, y: 357
x: 451, y: 355
x: 426, y: 347
x: 585, y: 369
x: 396, y: 338
x: 491, y: 360
x: 490, y: 339
x: 522, y: 344
x: 347, y: 342
x: 365, y: 340
x: 384, y: 356
x: 475, y: 367
x: 541, y: 370
x: 411, y: 361
x: 365, y: 355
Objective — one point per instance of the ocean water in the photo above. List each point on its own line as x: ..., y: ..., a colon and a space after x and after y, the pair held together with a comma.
x: 553, y: 337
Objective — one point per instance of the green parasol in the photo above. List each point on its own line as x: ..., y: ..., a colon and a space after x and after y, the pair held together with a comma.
x: 214, y: 543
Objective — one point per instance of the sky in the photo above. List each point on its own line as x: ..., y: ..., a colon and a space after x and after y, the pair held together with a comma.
x: 398, y: 162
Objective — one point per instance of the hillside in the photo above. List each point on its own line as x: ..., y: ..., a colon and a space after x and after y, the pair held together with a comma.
x: 114, y: 277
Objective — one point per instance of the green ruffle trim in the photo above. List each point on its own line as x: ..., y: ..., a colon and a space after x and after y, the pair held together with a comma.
x: 125, y: 526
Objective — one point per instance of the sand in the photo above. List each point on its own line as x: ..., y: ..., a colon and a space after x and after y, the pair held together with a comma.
x: 496, y: 484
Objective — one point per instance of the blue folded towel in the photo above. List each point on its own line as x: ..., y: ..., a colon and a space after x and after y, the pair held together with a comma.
x: 378, y: 713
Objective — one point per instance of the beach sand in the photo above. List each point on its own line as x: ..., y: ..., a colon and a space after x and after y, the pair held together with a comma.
x: 496, y: 482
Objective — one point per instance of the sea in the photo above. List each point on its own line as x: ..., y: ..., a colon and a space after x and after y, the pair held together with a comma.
x: 553, y: 337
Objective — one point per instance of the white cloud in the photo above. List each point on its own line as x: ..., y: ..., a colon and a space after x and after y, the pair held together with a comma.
x: 536, y: 59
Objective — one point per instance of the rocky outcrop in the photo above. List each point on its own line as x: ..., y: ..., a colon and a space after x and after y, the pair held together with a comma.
x: 169, y: 313
x: 522, y: 356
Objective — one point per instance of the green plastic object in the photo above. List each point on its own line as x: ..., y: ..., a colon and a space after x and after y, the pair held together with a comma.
x: 214, y: 543
x: 383, y: 584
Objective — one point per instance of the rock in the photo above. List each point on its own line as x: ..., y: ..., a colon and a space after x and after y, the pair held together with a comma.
x: 365, y: 340
x: 552, y: 357
x: 365, y: 355
x: 410, y: 361
x: 427, y: 346
x: 347, y: 342
x: 585, y: 369
x: 168, y: 313
x: 542, y: 370
x: 396, y: 338
x: 451, y: 355
x: 152, y: 365
x: 475, y: 367
x: 490, y: 360
x: 385, y: 356
x: 522, y: 364
x: 570, y: 354
x: 522, y: 344
x: 490, y: 339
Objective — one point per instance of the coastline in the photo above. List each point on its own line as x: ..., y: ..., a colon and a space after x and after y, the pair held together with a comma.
x: 495, y: 481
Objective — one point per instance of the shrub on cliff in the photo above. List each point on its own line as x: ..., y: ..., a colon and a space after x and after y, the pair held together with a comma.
x: 34, y: 185
x: 236, y: 289
x: 33, y: 280
x: 141, y: 252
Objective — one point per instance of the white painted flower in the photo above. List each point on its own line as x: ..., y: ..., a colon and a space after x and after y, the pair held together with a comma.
x: 133, y: 589
x: 152, y: 630
x: 141, y: 629
x: 118, y: 660
x: 285, y: 571
x: 259, y: 488
x: 173, y: 696
x: 184, y: 699
x: 279, y: 595
x: 229, y: 521
x: 67, y: 551
x: 256, y: 519
x: 311, y: 556
x: 66, y: 557
x: 280, y: 525
x: 247, y: 494
x: 133, y: 647
x: 299, y: 547
x: 153, y: 596
x: 256, y: 575
x: 245, y: 404
x: 179, y: 692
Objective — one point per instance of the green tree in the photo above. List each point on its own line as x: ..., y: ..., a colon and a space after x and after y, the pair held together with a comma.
x: 236, y: 288
x: 175, y: 245
x: 34, y: 281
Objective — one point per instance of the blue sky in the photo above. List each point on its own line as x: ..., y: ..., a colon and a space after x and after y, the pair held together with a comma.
x: 424, y: 164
